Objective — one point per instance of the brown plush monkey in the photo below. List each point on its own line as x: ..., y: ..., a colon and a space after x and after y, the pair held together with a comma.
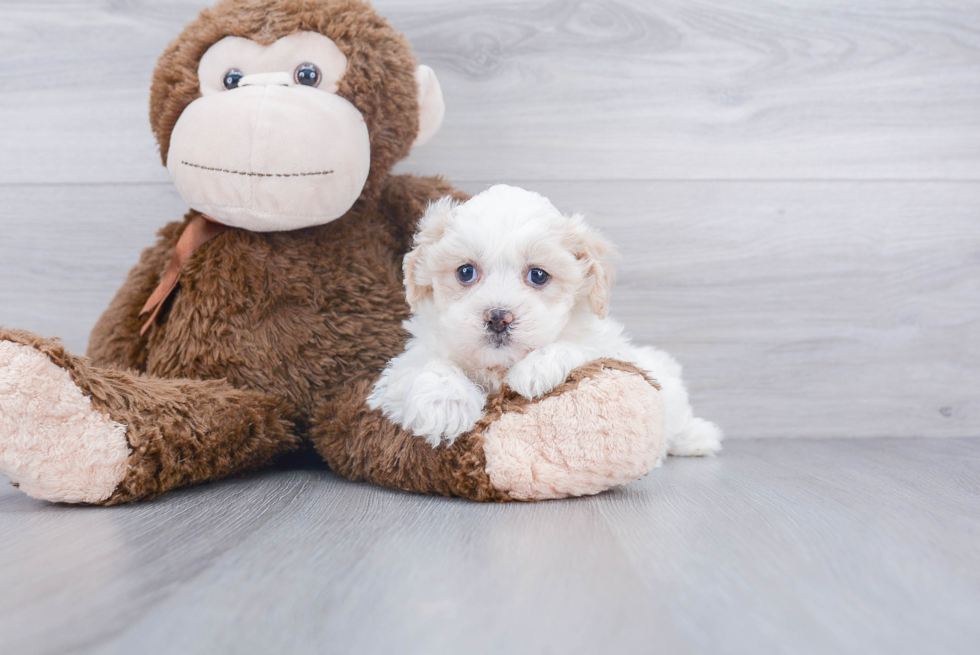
x: 259, y: 322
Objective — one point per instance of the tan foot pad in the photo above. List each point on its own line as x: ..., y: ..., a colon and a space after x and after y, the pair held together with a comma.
x: 607, y: 431
x: 53, y: 444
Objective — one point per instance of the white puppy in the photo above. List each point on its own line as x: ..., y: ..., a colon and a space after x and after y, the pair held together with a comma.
x: 505, y: 289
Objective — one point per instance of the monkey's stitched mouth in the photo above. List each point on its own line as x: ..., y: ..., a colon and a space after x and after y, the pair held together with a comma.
x: 251, y: 174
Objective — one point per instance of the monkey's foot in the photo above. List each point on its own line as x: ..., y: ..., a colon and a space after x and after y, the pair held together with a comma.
x: 78, y: 433
x: 54, y: 444
x: 602, y: 428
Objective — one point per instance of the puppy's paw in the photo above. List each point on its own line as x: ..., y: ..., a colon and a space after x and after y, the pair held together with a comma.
x: 698, y: 438
x: 440, y: 407
x: 544, y: 369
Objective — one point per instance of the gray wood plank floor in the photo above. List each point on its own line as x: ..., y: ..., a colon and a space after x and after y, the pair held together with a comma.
x: 778, y: 546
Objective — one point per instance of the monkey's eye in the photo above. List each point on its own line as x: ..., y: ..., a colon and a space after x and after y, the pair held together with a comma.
x: 466, y: 274
x: 232, y: 77
x: 537, y: 277
x: 307, y: 75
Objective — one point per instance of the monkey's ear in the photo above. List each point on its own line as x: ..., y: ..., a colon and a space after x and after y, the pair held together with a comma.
x: 432, y: 109
x: 432, y: 225
x: 596, y: 253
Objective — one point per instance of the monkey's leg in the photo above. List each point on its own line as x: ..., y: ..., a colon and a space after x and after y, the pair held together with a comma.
x: 72, y: 432
x: 602, y: 428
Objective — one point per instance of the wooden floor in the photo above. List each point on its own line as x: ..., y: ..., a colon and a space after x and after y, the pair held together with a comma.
x: 795, y: 190
x: 779, y: 546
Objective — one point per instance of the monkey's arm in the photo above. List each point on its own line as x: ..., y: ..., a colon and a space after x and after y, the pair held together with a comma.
x: 116, y: 339
x: 405, y: 198
x: 602, y: 427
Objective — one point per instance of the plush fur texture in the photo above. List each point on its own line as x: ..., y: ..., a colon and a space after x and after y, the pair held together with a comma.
x: 600, y: 431
x: 323, y: 310
x: 437, y: 387
x: 385, y: 454
x: 272, y: 339
x: 179, y: 431
x: 68, y: 451
x: 518, y: 450
x: 457, y: 353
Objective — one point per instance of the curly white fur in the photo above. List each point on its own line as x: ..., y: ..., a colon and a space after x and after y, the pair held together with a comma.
x: 437, y: 388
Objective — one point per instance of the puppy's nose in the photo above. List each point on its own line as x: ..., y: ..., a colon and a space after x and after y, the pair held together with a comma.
x: 499, y: 320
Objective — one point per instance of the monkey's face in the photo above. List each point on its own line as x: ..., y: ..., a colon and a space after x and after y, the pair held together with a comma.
x: 270, y: 145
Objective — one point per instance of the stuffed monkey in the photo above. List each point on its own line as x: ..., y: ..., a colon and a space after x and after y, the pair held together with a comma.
x: 258, y: 324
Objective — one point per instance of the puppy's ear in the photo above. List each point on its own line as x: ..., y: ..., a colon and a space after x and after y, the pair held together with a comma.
x: 432, y: 225
x: 595, y: 253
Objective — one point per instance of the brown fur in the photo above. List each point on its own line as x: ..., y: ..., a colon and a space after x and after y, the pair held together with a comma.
x: 293, y: 315
x: 386, y: 454
x: 269, y: 334
x: 181, y: 431
x: 391, y: 456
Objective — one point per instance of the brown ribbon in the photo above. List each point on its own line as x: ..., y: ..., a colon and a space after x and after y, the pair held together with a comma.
x: 199, y: 231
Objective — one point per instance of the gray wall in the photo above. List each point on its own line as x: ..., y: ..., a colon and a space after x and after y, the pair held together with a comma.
x: 794, y: 186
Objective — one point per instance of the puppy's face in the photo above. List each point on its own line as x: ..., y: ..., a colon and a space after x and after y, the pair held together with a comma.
x: 499, y: 275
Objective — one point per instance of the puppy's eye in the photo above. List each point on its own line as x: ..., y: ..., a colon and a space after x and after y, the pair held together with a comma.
x: 466, y: 274
x: 307, y: 75
x: 537, y: 277
x: 232, y: 77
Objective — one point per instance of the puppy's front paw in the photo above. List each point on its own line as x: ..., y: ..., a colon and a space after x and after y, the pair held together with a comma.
x: 438, y: 407
x: 542, y: 370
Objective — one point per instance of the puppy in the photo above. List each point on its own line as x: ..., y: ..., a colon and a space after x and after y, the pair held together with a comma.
x: 506, y: 290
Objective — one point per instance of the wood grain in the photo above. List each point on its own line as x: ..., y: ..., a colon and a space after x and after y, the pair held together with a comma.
x: 778, y: 546
x: 674, y: 89
x: 798, y: 309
